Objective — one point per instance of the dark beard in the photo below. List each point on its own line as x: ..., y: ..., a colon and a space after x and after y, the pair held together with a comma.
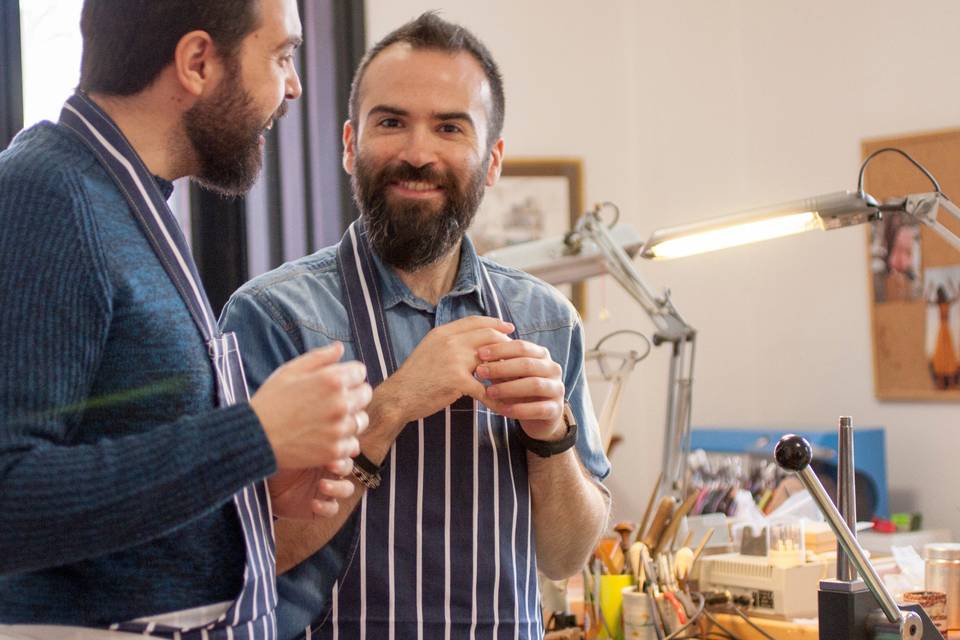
x: 412, y: 235
x: 224, y: 131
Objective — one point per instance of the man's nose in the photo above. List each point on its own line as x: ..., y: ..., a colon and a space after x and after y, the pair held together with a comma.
x: 419, y: 149
x: 293, y: 87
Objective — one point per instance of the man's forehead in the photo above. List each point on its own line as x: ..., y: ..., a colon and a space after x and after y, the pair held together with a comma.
x: 402, y: 72
x: 279, y: 23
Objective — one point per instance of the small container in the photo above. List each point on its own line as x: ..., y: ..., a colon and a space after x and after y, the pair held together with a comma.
x: 786, y: 545
x: 942, y: 573
x: 933, y: 602
x: 637, y: 623
x: 611, y: 605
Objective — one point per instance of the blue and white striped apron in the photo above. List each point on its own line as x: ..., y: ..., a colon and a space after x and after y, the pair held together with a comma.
x: 253, y: 614
x: 444, y: 548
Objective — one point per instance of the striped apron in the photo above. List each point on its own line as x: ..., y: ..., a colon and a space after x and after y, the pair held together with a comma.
x: 253, y: 613
x: 444, y: 547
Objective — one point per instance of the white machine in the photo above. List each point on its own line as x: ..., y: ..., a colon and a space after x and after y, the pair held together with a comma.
x: 784, y: 592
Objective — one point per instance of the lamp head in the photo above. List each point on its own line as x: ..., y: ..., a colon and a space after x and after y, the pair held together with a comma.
x: 830, y: 211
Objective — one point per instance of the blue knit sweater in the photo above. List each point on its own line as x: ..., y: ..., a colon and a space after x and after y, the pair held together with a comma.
x: 115, y: 467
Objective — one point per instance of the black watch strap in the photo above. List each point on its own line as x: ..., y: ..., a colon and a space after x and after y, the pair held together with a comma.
x: 545, y: 448
x: 366, y: 472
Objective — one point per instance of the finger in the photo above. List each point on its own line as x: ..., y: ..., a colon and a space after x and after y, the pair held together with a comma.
x: 346, y: 448
x: 335, y: 488
x: 315, y: 358
x: 354, y: 450
x: 519, y: 368
x: 532, y: 388
x: 481, y: 337
x: 512, y: 349
x: 544, y: 410
x: 338, y: 408
x: 473, y: 323
x: 363, y: 421
x: 359, y: 397
x: 324, y: 508
x: 340, y: 375
x: 340, y: 468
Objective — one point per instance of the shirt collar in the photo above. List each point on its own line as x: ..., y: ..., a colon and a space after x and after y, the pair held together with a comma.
x: 166, y: 187
x: 394, y: 291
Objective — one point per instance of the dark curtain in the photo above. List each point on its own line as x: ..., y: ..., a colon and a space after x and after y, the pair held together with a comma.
x: 301, y: 201
x: 218, y: 243
x: 11, y: 76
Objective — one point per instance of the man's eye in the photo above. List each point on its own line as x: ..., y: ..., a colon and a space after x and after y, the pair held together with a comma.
x: 450, y: 128
x: 390, y: 123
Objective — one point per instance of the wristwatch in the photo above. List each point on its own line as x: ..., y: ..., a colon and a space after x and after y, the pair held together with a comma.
x: 547, y: 448
x: 366, y: 472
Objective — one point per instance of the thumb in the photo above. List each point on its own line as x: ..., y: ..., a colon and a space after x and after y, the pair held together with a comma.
x: 476, y: 390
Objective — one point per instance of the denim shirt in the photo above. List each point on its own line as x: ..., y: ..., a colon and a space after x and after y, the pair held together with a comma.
x: 300, y: 306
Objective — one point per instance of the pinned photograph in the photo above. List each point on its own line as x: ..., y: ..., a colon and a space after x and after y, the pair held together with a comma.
x: 895, y: 260
x: 943, y: 326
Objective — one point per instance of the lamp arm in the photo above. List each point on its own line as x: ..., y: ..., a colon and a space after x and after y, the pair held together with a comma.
x: 672, y: 329
x: 944, y: 232
x: 924, y: 208
x: 670, y: 324
x: 679, y: 401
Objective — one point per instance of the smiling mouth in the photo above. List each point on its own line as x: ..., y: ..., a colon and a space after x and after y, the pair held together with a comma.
x: 416, y: 185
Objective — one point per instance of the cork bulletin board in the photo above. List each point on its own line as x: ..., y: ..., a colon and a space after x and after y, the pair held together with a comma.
x: 914, y: 275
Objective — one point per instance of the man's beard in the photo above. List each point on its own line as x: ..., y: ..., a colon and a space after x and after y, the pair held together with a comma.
x: 411, y: 235
x: 224, y: 131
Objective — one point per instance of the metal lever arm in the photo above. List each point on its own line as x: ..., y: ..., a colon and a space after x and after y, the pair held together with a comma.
x: 793, y: 453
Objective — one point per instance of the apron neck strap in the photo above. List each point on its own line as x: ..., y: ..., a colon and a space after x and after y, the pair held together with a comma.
x: 124, y: 166
x: 368, y: 323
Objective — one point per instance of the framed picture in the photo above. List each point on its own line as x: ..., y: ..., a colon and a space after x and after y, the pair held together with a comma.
x: 914, y: 276
x: 535, y: 198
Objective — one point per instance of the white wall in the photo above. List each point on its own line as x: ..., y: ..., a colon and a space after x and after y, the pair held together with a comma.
x: 685, y: 110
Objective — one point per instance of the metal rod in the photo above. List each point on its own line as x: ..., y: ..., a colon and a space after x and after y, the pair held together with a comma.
x: 672, y: 329
x: 846, y: 494
x: 850, y: 545
x: 670, y: 455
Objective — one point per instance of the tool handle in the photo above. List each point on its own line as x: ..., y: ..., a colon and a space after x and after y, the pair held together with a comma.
x: 660, y: 521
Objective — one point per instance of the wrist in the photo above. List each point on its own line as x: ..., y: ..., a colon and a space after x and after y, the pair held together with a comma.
x: 544, y: 447
x: 558, y: 432
x: 387, y: 420
x: 386, y: 411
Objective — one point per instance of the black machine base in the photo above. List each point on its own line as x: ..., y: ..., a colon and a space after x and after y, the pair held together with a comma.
x: 846, y: 614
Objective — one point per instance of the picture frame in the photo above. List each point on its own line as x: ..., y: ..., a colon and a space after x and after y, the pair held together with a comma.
x: 534, y: 198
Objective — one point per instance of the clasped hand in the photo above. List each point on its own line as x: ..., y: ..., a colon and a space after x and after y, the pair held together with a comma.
x: 453, y: 359
x: 312, y: 409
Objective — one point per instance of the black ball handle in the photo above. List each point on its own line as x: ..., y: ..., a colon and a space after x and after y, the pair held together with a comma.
x: 793, y: 453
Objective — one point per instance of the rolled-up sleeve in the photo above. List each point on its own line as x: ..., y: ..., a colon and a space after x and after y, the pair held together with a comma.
x: 589, y: 443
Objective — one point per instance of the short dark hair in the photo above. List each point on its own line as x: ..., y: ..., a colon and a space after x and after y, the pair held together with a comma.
x: 127, y: 43
x: 430, y: 31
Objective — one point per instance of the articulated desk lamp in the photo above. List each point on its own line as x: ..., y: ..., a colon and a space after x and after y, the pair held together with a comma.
x: 847, y: 605
x: 595, y: 247
x: 847, y: 608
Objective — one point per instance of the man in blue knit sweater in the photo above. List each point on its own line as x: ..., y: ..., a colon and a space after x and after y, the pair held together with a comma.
x: 131, y: 466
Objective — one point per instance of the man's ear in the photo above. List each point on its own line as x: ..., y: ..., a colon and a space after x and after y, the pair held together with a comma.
x: 196, y: 63
x: 349, y: 147
x: 496, y: 163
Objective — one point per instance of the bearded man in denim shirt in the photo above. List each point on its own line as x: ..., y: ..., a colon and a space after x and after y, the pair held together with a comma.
x: 482, y: 462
